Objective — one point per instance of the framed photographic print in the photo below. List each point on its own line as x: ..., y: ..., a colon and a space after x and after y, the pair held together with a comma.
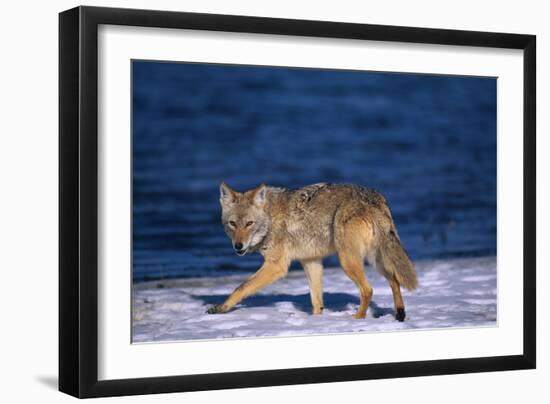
x: 250, y: 201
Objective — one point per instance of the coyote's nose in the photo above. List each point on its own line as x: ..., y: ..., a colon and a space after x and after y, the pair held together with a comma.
x: 238, y: 246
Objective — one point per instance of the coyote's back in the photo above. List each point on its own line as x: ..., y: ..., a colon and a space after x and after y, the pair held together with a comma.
x: 324, y: 219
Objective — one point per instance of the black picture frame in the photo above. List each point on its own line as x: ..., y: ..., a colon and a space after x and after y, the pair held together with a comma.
x: 78, y: 201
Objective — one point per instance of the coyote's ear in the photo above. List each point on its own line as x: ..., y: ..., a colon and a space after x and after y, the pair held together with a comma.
x: 259, y: 195
x: 227, y: 195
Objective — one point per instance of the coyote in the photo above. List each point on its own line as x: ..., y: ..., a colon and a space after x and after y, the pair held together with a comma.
x: 308, y: 224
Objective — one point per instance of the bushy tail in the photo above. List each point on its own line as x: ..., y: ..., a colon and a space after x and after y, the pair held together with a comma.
x: 396, y: 261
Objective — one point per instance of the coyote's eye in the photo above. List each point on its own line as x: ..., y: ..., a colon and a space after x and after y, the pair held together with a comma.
x: 232, y: 223
x: 248, y: 224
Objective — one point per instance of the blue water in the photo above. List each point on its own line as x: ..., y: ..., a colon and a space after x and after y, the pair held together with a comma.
x: 427, y: 142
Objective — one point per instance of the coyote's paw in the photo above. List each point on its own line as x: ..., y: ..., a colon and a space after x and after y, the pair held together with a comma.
x: 216, y: 309
x: 400, y: 315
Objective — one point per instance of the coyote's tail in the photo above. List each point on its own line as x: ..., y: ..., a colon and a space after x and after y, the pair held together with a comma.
x: 397, y: 262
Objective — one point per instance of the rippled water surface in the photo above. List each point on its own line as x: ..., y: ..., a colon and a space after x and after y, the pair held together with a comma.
x: 428, y: 143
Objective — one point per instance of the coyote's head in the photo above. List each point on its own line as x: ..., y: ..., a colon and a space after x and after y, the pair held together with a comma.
x: 243, y: 217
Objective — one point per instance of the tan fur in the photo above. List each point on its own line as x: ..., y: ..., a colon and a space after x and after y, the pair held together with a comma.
x: 308, y: 224
x: 314, y: 272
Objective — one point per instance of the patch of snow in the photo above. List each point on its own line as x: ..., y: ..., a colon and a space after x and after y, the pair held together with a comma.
x: 451, y: 293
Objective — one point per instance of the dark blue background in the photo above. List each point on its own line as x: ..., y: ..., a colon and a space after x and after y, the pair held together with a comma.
x: 427, y: 142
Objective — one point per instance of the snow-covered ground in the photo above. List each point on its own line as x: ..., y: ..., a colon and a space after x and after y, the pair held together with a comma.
x: 451, y: 293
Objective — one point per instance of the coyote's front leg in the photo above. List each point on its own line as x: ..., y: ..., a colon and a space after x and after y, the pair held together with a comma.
x: 314, y: 273
x: 269, y: 272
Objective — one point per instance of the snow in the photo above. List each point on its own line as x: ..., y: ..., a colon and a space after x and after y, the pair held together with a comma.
x: 451, y: 293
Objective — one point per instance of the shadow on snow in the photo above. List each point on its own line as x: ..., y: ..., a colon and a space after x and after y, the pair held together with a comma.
x: 333, y: 302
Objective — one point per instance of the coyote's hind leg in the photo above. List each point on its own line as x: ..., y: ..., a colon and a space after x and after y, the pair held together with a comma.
x: 353, y: 266
x: 397, y: 299
x: 352, y: 238
x: 375, y: 260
